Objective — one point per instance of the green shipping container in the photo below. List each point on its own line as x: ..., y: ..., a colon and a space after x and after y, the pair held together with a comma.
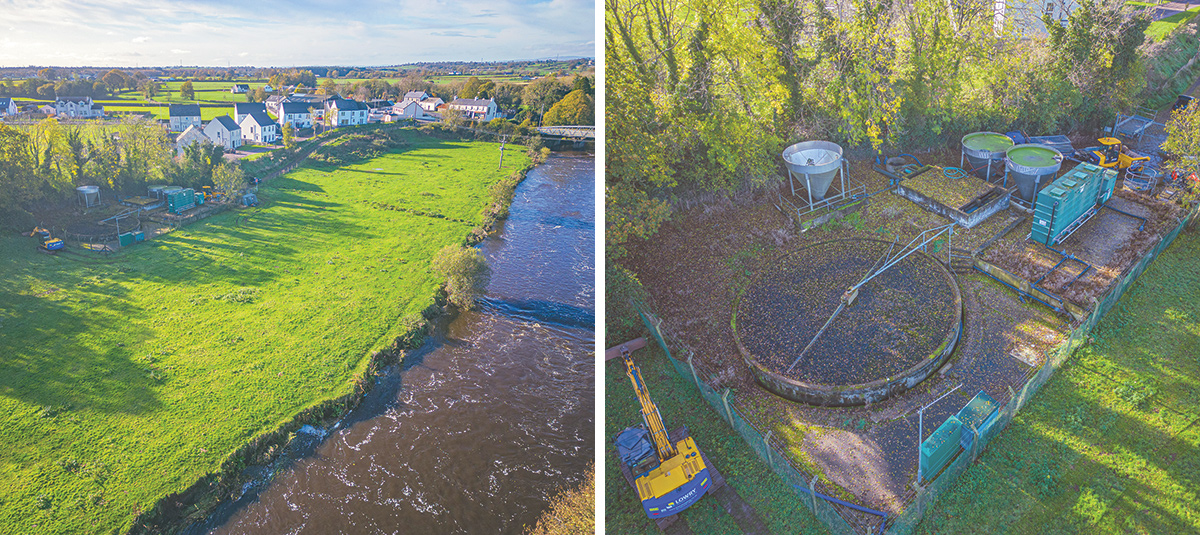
x: 125, y: 239
x: 939, y: 448
x: 199, y: 198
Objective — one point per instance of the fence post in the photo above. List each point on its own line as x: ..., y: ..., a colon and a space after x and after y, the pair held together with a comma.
x: 812, y: 491
x: 725, y: 400
x: 767, y: 446
x: 693, y: 367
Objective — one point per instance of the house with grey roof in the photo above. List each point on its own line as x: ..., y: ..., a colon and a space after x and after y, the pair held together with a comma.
x: 474, y: 108
x: 224, y: 132
x: 78, y: 107
x: 259, y: 128
x: 239, y: 88
x: 242, y: 109
x: 182, y: 116
x: 193, y: 134
x: 297, y: 114
x: 414, y: 96
x: 8, y: 106
x: 342, y: 112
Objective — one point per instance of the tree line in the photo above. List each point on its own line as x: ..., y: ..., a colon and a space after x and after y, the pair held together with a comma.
x: 41, y: 165
x: 703, y: 96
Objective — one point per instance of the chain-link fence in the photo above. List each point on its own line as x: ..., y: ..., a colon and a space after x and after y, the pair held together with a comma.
x: 841, y: 519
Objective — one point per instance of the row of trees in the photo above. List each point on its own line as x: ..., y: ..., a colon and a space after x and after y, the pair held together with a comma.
x: 702, y: 97
x: 42, y: 164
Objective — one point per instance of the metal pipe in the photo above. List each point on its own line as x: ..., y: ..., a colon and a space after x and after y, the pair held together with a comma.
x: 1144, y: 221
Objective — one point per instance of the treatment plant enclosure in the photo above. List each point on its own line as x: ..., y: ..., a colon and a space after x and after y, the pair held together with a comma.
x: 781, y: 295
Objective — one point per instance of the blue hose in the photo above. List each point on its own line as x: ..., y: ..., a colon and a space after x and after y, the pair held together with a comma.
x: 955, y: 173
x: 882, y: 525
x: 914, y: 159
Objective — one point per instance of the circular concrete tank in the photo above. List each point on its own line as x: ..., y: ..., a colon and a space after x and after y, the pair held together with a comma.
x: 983, y: 149
x: 817, y: 162
x: 1031, y: 166
x: 902, y: 327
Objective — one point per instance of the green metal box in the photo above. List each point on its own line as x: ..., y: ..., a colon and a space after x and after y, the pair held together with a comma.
x: 1064, y: 201
x: 125, y: 239
x: 979, y: 413
x: 939, y: 448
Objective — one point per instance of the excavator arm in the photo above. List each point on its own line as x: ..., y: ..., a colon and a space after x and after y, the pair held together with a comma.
x: 650, y: 414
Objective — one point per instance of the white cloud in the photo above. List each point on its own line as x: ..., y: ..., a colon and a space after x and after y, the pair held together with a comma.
x: 178, y: 51
x: 243, y: 54
x: 141, y: 39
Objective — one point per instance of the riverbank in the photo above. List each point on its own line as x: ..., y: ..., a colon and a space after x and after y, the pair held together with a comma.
x: 142, y: 383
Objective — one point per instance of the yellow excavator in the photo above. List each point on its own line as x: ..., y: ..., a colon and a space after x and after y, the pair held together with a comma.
x: 1115, y: 155
x: 46, y: 242
x: 669, y: 477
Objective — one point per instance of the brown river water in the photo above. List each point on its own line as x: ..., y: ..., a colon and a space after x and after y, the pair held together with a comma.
x: 476, y: 430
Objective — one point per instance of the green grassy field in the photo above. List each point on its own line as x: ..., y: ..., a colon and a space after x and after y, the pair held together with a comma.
x: 1159, y: 29
x: 127, y: 378
x: 1111, y: 444
x: 681, y: 404
x: 163, y: 112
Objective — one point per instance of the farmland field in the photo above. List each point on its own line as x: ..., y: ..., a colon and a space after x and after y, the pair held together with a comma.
x: 1111, y: 444
x: 130, y: 377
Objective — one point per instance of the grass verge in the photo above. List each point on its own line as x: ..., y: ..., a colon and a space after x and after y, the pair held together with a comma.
x: 130, y: 378
x: 681, y: 404
x: 1112, y: 443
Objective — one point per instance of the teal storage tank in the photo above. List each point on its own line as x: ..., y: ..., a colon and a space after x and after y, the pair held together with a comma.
x: 940, y: 448
x: 1070, y: 199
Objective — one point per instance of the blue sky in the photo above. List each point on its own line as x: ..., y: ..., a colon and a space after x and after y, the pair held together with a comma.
x: 129, y: 33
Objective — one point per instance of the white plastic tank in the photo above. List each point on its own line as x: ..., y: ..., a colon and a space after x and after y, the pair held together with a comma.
x: 89, y: 195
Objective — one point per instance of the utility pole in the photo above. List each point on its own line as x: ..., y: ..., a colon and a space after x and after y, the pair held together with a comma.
x: 502, y: 140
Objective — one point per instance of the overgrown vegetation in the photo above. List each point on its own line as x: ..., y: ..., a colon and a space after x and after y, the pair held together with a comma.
x: 573, y: 511
x: 466, y: 272
x: 127, y: 379
x: 1111, y: 444
x: 702, y: 98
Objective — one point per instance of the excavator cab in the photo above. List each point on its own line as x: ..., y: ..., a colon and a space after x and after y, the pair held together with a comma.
x: 1113, y: 154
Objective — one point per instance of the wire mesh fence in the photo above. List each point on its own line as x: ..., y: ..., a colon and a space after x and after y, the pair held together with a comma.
x: 840, y: 519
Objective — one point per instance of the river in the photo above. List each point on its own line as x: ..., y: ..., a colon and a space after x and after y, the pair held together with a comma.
x: 477, y: 429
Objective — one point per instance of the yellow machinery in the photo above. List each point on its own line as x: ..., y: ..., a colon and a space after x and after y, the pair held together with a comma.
x: 669, y: 477
x: 1115, y: 155
x: 46, y: 242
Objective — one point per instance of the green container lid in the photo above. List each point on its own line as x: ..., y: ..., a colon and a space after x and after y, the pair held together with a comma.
x: 1033, y: 155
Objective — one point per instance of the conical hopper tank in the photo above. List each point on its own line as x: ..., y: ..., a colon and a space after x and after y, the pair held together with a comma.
x: 819, y: 161
x: 1028, y: 165
x: 982, y: 148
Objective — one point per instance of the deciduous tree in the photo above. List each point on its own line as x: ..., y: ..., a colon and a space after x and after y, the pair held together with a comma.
x: 466, y: 271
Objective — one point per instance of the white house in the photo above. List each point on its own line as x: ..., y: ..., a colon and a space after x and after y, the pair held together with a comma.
x: 242, y: 109
x: 224, y: 132
x: 1026, y: 15
x: 239, y: 88
x: 473, y: 108
x: 296, y: 113
x: 414, y: 96
x: 193, y: 134
x: 8, y: 106
x: 431, y: 104
x: 81, y: 107
x: 408, y: 110
x: 47, y: 109
x: 342, y: 112
x: 260, y: 128
x: 183, y: 116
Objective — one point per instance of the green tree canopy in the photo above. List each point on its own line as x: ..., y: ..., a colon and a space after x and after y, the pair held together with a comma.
x: 187, y: 91
x: 577, y: 108
x: 466, y: 271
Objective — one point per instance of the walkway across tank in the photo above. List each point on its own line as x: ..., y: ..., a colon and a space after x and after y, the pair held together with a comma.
x: 901, y: 327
